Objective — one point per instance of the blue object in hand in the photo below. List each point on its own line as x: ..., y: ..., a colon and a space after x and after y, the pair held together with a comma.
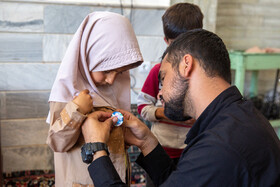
x: 120, y: 118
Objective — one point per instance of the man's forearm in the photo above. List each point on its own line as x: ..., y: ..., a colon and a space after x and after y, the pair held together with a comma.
x: 157, y: 164
x: 103, y: 173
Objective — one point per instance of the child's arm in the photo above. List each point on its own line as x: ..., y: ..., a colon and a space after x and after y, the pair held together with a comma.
x: 147, y: 98
x: 66, y: 120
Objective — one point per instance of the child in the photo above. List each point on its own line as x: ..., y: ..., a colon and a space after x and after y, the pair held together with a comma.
x: 95, y: 73
x: 177, y: 19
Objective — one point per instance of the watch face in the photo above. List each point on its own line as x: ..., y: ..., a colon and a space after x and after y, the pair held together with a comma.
x: 120, y: 118
x: 88, y: 150
x: 87, y: 153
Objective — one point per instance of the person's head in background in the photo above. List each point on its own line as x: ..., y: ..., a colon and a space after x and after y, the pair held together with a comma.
x: 179, y: 19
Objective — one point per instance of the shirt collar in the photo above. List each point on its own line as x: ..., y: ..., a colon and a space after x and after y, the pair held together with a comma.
x: 224, y: 99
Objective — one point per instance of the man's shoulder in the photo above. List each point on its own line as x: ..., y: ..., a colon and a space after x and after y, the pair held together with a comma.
x: 242, y: 143
x: 211, y: 154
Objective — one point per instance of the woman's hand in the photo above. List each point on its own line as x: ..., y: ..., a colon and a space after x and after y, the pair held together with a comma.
x: 84, y: 101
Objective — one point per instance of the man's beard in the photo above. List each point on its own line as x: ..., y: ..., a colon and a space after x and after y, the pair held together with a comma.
x: 175, y: 108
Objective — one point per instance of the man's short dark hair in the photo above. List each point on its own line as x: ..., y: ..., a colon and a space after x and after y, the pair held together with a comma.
x: 206, y: 47
x: 180, y: 18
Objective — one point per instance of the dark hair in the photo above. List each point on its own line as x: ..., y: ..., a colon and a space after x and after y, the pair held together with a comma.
x: 180, y: 18
x: 206, y: 47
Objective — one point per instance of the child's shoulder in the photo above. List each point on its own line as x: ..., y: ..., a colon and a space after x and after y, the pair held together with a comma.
x: 156, y: 68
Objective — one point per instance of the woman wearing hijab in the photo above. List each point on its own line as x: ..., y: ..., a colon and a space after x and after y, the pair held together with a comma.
x: 95, y: 67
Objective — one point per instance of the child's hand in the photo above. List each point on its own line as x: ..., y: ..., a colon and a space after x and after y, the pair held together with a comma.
x: 84, y: 101
x: 190, y: 121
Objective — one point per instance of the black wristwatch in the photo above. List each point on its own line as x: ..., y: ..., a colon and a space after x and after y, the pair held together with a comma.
x: 88, y: 150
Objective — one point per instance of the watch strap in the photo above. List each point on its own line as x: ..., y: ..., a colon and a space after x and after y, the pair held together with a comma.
x: 88, y: 150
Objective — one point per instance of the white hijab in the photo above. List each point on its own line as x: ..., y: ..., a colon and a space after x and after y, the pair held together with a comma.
x: 104, y: 41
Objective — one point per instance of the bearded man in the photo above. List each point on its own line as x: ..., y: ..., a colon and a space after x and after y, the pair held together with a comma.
x: 231, y: 142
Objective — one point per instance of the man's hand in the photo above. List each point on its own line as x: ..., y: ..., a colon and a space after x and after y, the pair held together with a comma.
x: 97, y: 127
x: 138, y: 134
x: 84, y: 101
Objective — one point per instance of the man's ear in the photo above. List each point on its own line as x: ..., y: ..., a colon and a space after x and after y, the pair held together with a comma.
x: 187, y: 65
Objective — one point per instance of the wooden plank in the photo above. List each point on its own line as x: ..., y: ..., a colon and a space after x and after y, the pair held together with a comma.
x: 255, y: 61
x: 275, y: 123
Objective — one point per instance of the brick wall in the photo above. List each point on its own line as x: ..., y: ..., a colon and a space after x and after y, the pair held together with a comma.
x: 246, y: 23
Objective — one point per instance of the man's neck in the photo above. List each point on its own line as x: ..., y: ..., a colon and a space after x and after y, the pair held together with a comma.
x: 204, y: 91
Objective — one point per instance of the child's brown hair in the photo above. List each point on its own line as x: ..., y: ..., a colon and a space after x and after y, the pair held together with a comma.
x: 180, y: 18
